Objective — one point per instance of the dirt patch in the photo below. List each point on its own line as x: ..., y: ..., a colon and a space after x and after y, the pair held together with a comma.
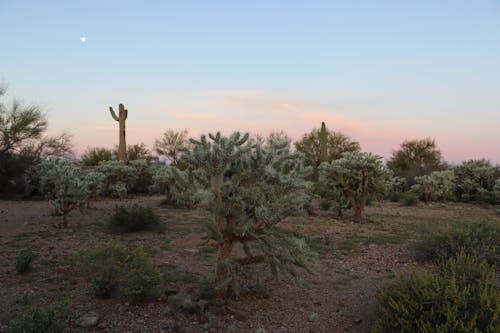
x: 354, y: 262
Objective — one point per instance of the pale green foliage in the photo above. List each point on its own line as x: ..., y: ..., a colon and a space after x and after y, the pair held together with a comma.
x: 395, y: 186
x: 496, y: 190
x: 120, y: 178
x: 143, y: 176
x: 95, y: 184
x: 437, y: 186
x: 475, y: 181
x: 249, y: 189
x: 163, y: 182
x: 63, y: 182
x: 356, y: 175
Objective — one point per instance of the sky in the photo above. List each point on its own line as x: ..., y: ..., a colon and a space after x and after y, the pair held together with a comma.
x: 380, y: 71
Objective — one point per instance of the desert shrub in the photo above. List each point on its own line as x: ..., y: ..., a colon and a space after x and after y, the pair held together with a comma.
x: 96, y: 155
x: 63, y: 183
x: 325, y: 204
x: 480, y: 239
x: 409, y: 199
x: 117, y: 269
x: 354, y: 178
x: 496, y: 190
x: 120, y: 178
x: 24, y: 260
x: 460, y: 297
x: 135, y: 218
x: 164, y: 183
x: 415, y: 158
x: 206, y: 289
x: 395, y: 187
x: 143, y: 176
x: 95, y: 185
x: 52, y: 318
x: 475, y: 181
x: 437, y: 186
x: 248, y: 189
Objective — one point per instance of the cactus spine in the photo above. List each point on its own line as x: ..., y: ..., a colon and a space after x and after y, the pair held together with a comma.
x: 122, y: 116
x: 323, y: 153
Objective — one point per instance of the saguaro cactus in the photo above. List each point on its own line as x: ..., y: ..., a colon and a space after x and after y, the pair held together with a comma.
x: 323, y: 153
x: 122, y: 116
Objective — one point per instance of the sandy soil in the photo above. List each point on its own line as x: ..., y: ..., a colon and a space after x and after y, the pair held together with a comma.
x: 355, y: 261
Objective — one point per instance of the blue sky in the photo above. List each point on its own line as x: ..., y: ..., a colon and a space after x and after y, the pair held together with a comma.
x: 379, y: 71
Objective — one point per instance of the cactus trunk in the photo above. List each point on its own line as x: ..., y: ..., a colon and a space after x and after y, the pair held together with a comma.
x: 122, y: 116
x: 323, y: 157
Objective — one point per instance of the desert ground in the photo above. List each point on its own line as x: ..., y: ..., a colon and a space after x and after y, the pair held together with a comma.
x: 355, y: 261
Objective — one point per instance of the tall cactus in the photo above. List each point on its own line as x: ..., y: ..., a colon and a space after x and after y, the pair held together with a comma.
x: 122, y: 116
x: 323, y: 153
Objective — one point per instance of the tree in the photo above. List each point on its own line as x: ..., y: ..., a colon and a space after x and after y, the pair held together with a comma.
x: 248, y: 192
x: 22, y: 143
x: 415, y: 158
x: 63, y: 182
x: 356, y: 175
x: 93, y: 156
x: 138, y: 152
x: 336, y: 144
x: 170, y: 143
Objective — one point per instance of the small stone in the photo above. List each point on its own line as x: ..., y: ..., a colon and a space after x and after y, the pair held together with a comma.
x: 313, y: 317
x: 88, y: 320
x: 358, y: 321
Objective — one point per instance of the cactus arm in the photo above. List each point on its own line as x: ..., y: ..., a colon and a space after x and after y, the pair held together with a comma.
x: 125, y: 114
x: 113, y: 114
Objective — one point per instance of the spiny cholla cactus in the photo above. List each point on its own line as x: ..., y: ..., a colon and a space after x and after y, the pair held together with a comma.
x: 248, y: 189
x: 63, y: 183
x: 119, y: 178
x: 437, y: 186
x: 164, y: 183
x: 95, y: 184
x: 356, y: 175
x: 496, y: 191
x: 475, y: 180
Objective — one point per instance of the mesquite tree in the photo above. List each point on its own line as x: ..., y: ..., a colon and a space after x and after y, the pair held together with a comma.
x: 357, y: 175
x: 248, y: 189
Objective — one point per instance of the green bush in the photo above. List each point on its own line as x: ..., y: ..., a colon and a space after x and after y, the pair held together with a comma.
x: 51, y: 318
x: 116, y: 269
x: 206, y: 289
x: 480, y: 239
x: 461, y: 297
x: 135, y: 218
x: 409, y: 199
x: 325, y: 204
x: 24, y: 260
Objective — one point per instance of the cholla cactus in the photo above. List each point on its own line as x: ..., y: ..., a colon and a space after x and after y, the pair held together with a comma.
x: 475, y: 180
x: 248, y: 192
x: 95, y: 185
x: 164, y: 183
x: 357, y: 175
x: 496, y: 190
x: 437, y: 186
x: 120, y: 178
x: 63, y: 183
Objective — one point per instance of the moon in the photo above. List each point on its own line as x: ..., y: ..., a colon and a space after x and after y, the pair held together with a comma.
x: 83, y: 39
